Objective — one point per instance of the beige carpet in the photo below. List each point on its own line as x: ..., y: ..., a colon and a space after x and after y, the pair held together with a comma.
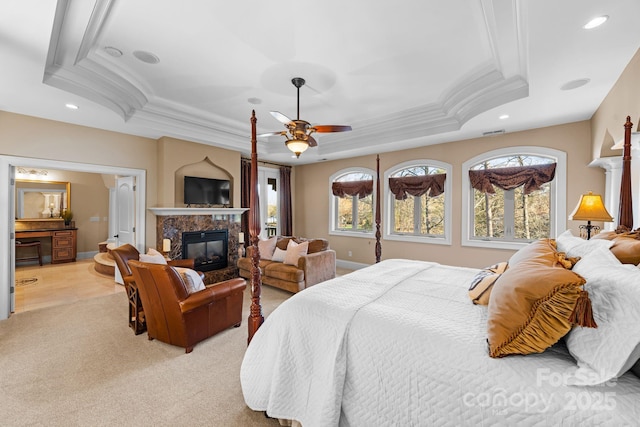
x: 81, y: 365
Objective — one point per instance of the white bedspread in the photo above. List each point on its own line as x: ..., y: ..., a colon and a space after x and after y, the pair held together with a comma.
x: 400, y: 344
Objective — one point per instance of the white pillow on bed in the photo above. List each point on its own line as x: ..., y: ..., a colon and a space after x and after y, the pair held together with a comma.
x: 612, y: 348
x: 574, y: 246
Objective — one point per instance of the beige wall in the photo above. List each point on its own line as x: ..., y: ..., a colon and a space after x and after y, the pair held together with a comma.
x: 26, y: 136
x: 175, y: 154
x: 607, y: 124
x: 312, y: 195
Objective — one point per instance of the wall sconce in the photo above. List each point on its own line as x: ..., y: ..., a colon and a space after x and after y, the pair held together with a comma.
x: 590, y: 208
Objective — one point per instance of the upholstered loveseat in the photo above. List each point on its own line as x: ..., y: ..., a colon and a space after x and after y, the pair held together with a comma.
x: 315, y: 265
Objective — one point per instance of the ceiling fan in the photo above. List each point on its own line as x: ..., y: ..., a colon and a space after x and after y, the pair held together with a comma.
x: 298, y: 131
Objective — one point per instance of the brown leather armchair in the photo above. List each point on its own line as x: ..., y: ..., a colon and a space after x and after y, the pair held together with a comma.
x: 122, y: 255
x: 176, y: 317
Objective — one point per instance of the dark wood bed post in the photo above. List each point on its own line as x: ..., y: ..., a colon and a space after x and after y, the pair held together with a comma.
x: 625, y: 213
x: 255, y: 315
x: 378, y: 245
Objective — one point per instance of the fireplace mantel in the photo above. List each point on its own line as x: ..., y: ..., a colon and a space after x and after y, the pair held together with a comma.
x: 197, y: 211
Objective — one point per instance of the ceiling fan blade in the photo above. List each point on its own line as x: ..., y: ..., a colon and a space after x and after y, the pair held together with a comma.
x: 284, y: 132
x: 331, y: 128
x: 281, y: 117
x: 312, y: 142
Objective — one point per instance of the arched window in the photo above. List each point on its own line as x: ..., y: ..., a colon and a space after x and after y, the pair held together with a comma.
x: 352, y: 201
x: 513, y: 196
x: 418, y: 204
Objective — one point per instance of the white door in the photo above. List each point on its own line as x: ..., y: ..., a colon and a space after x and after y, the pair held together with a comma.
x: 268, y: 187
x: 125, y: 211
x: 12, y: 240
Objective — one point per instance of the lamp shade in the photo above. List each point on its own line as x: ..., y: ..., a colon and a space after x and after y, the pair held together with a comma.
x: 590, y: 208
x: 298, y: 146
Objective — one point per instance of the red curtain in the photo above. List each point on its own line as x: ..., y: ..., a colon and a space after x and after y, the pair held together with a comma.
x: 286, y: 216
x: 417, y: 185
x: 352, y: 188
x: 532, y: 177
x: 245, y: 195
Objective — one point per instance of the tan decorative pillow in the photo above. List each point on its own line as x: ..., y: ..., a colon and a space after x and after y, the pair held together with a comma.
x: 535, y: 302
x: 626, y: 249
x: 626, y: 246
x: 482, y: 283
x: 295, y: 251
x: 267, y: 247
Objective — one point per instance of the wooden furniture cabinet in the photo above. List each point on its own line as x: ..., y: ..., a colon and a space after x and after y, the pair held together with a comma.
x: 63, y: 246
x: 63, y: 242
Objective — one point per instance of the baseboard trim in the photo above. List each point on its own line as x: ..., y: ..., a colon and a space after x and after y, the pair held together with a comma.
x: 350, y: 265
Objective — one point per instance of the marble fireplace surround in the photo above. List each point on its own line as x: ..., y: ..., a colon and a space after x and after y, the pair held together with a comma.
x: 172, y: 222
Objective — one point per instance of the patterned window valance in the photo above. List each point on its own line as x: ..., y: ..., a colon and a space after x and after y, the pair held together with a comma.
x: 417, y: 185
x: 352, y: 188
x: 532, y: 177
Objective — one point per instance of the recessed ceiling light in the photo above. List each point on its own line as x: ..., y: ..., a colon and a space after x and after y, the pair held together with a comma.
x: 504, y: 116
x: 255, y: 101
x: 146, y: 57
x: 115, y: 52
x: 595, y: 22
x: 71, y: 106
x: 574, y: 84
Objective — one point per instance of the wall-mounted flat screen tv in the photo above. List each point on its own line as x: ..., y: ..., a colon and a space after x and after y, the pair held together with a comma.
x: 206, y: 191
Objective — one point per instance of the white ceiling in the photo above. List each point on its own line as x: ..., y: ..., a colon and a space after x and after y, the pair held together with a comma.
x: 403, y: 74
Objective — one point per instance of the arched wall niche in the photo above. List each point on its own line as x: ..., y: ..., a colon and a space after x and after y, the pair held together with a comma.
x: 607, y: 143
x: 202, y: 169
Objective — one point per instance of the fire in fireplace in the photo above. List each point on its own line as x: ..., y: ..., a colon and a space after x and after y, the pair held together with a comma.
x: 207, y: 248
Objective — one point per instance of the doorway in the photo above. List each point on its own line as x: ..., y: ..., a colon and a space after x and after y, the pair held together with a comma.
x: 7, y: 225
x: 268, y: 187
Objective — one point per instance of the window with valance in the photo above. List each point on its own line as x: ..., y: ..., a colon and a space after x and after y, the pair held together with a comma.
x: 512, y: 197
x: 352, y: 201
x: 418, y: 201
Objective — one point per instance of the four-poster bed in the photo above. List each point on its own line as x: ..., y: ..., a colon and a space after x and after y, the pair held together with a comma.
x: 400, y: 343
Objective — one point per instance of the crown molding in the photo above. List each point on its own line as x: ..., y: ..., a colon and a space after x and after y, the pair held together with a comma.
x: 74, y: 64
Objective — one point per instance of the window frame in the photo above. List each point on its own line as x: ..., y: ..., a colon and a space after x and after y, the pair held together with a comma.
x: 558, y: 189
x: 389, y: 203
x: 333, y: 206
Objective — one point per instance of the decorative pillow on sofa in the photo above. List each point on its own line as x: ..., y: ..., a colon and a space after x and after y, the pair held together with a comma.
x: 267, y: 247
x: 535, y: 302
x: 191, y: 279
x: 612, y: 349
x: 295, y: 251
x: 278, y: 255
x: 153, y: 257
x: 482, y: 283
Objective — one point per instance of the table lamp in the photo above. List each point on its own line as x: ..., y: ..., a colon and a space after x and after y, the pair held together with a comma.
x: 590, y: 208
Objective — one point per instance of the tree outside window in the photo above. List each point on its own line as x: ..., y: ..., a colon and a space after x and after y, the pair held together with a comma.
x: 353, y: 202
x: 422, y: 215
x: 511, y: 214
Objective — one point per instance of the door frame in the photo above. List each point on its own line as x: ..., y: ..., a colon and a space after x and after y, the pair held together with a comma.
x: 264, y: 173
x: 7, y: 223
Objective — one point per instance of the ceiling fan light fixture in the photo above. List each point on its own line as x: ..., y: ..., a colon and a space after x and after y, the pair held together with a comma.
x: 297, y: 146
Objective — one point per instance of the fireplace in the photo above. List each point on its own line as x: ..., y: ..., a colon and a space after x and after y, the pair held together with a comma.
x: 208, y: 248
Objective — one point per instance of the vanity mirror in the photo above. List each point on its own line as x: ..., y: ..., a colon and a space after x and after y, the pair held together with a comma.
x: 41, y: 199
